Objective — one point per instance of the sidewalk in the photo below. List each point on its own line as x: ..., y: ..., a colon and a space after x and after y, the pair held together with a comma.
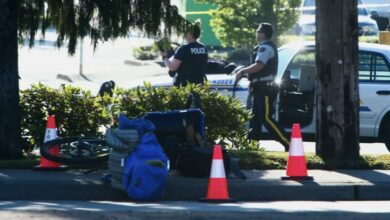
x: 260, y: 186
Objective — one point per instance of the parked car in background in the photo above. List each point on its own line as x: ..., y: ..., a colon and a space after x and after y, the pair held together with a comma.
x: 306, y: 23
x: 381, y: 7
x: 379, y: 11
x: 296, y: 76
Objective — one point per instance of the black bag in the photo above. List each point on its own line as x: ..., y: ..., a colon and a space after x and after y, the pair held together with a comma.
x: 195, y: 161
x: 172, y: 144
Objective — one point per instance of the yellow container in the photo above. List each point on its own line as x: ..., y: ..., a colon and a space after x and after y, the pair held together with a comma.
x: 384, y: 37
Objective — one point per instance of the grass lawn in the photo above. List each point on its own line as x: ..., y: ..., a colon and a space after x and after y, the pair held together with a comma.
x: 278, y: 160
x: 259, y: 160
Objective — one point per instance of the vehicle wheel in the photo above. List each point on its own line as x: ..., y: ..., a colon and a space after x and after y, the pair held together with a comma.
x: 76, y: 150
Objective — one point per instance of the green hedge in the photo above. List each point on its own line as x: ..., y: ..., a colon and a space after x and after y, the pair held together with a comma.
x: 225, y: 117
x: 144, y: 53
x: 79, y: 113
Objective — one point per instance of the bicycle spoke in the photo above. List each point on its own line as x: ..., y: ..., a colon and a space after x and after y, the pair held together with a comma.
x: 77, y: 150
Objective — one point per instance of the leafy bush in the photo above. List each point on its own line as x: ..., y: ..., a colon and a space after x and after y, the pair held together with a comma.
x: 144, y: 53
x: 218, y: 56
x: 239, y: 55
x: 234, y: 22
x: 225, y: 117
x: 164, y: 44
x: 76, y: 111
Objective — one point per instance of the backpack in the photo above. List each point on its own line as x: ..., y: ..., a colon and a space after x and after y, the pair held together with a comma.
x: 146, y: 170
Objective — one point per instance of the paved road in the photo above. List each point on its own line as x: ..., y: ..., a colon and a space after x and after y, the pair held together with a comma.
x: 110, y: 61
x: 377, y: 210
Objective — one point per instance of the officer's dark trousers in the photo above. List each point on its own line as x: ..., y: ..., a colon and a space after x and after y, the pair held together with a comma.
x: 263, y: 99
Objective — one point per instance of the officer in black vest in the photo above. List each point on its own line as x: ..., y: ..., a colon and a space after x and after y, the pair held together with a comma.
x: 190, y: 60
x: 261, y: 75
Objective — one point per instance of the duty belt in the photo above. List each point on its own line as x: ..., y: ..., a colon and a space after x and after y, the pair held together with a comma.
x: 269, y: 78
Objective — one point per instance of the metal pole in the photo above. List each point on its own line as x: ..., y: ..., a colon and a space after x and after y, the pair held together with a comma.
x: 81, y: 57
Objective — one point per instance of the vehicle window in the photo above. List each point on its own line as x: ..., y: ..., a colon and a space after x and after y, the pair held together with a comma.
x: 373, y: 67
x: 302, y: 71
x: 303, y: 58
x: 362, y: 11
x: 382, y: 70
x: 365, y: 66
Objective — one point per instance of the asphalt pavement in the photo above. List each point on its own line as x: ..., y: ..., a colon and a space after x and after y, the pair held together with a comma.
x: 296, y: 210
x: 77, y: 194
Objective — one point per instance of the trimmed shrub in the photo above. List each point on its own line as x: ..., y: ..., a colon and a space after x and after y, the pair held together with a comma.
x: 240, y: 54
x: 80, y: 114
x: 144, y: 53
x: 225, y: 117
x: 77, y: 113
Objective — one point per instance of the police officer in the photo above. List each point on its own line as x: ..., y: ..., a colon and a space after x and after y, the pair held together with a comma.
x: 189, y: 61
x: 261, y: 75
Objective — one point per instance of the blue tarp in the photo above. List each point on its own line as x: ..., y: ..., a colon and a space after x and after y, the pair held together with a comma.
x: 176, y: 120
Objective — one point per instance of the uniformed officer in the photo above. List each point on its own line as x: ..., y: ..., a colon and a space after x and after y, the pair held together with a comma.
x: 261, y: 75
x: 189, y: 61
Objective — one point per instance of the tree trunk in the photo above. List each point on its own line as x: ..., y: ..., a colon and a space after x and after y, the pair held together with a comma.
x: 337, y: 84
x: 9, y: 82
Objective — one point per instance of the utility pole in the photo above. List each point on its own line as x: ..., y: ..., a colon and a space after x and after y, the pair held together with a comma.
x: 10, y: 115
x: 337, y: 81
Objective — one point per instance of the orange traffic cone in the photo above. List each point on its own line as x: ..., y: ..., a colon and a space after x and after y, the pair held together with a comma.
x: 296, y: 164
x: 50, y: 134
x: 217, y: 189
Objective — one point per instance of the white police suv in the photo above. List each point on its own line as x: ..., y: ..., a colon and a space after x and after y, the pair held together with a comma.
x: 296, y: 102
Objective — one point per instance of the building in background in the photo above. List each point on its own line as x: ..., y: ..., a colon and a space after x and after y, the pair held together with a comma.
x: 199, y: 12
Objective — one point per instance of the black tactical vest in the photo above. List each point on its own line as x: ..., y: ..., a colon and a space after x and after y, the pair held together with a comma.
x: 271, y: 67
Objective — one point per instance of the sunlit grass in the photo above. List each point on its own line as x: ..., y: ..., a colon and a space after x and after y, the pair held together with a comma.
x: 278, y: 160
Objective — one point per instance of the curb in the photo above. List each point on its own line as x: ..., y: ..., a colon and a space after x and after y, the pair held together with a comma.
x: 260, y: 186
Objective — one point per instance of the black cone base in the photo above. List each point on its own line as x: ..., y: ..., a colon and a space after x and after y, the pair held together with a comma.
x: 297, y: 178
x: 229, y: 200
x: 40, y: 168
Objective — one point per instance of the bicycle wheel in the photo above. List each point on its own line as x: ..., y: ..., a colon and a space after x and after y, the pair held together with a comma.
x: 76, y: 150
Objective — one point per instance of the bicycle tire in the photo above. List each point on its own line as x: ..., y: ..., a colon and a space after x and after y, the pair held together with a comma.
x: 84, y: 156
